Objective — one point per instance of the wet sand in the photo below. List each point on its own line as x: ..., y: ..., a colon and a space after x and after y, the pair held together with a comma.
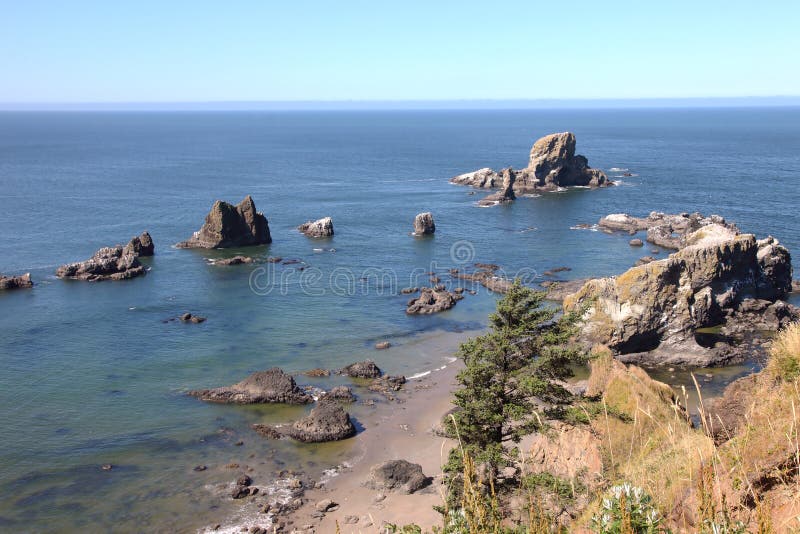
x: 402, y: 431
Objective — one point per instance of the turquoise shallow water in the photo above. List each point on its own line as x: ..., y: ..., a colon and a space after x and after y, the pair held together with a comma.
x: 91, y: 374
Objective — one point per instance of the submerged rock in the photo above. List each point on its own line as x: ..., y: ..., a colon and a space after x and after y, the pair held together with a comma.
x: 327, y: 422
x: 231, y: 226
x: 266, y: 431
x: 236, y: 260
x: 15, y: 282
x: 271, y: 386
x: 398, y: 474
x: 111, y: 263
x: 342, y: 394
x: 191, y: 318
x: 486, y: 275
x: 319, y: 228
x: 365, y: 369
x: 423, y: 224
x: 432, y: 300
x: 552, y: 164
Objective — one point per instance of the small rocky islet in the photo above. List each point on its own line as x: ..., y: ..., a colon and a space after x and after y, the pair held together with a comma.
x: 112, y: 263
x: 552, y: 165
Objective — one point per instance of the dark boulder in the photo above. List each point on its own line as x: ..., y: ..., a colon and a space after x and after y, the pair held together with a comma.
x: 327, y: 421
x: 16, y: 282
x: 365, y: 369
x: 271, y: 386
x: 398, y: 475
x: 431, y: 300
x: 423, y: 224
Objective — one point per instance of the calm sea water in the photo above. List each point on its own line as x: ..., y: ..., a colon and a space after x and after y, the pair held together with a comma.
x: 92, y: 375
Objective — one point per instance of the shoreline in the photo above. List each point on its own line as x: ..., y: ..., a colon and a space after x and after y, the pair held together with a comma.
x: 392, y: 429
x: 404, y: 432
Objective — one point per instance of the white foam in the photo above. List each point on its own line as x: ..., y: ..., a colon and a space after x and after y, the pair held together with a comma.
x: 617, y: 169
x: 418, y: 375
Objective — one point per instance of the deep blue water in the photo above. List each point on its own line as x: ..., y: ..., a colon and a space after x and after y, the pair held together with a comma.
x: 91, y: 374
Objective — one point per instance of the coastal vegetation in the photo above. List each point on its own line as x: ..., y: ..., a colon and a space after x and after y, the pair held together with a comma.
x: 625, y: 456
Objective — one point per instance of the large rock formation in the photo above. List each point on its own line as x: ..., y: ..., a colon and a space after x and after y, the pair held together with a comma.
x: 319, y: 228
x: 111, y: 263
x: 709, y: 282
x: 665, y: 230
x: 271, y: 386
x: 552, y: 164
x: 15, y: 282
x: 423, y: 224
x: 327, y: 422
x: 231, y: 226
x: 506, y: 193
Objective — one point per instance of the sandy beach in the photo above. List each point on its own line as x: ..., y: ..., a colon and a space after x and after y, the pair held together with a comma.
x: 401, y: 431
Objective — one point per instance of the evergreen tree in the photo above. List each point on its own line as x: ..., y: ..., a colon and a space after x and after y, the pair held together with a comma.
x: 509, y: 372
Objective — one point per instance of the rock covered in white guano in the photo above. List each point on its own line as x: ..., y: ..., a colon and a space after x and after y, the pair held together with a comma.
x: 319, y: 228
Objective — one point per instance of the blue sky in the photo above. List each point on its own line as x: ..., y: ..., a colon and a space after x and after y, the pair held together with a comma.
x: 109, y: 51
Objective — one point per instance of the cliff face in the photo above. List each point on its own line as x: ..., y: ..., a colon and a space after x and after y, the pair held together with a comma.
x: 552, y: 164
x: 663, y: 303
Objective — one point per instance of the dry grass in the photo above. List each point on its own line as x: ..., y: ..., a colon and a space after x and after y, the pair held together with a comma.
x: 784, y: 362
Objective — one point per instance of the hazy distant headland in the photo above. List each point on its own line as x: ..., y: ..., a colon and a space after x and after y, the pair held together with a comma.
x: 355, y: 105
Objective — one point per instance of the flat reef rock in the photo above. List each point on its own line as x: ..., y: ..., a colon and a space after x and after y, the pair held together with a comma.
x: 552, y: 164
x: 271, y: 386
x: 319, y: 228
x: 231, y: 226
x: 111, y: 263
x: 15, y: 282
x: 328, y: 421
x: 665, y: 230
x: 714, y: 279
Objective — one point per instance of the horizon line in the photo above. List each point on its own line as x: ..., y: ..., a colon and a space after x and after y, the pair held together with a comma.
x: 405, y: 104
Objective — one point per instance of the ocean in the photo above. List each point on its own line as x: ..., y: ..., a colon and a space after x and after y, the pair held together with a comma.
x: 91, y: 373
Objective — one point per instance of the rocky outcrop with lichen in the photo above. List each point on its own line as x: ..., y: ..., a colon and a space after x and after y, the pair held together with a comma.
x: 231, y: 226
x: 661, y: 304
x: 552, y: 164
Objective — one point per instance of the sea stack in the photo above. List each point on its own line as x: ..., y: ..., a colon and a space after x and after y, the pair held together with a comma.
x: 231, y: 226
x: 552, y: 164
x: 423, y: 224
x: 319, y: 228
x: 506, y: 193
